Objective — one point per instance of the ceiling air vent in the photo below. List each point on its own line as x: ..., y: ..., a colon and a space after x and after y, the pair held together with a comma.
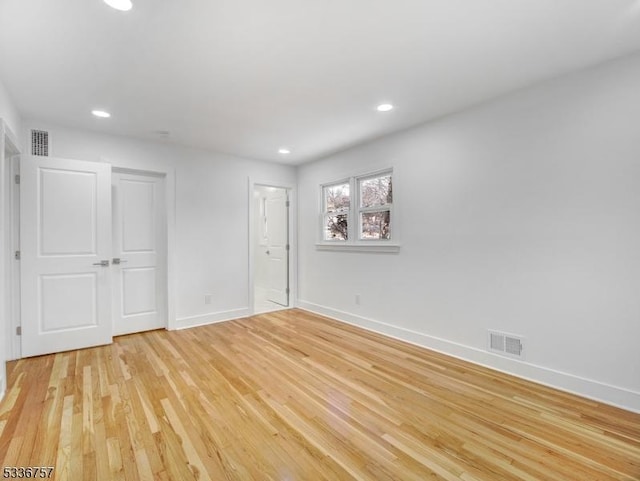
x: 506, y: 344
x: 40, y: 143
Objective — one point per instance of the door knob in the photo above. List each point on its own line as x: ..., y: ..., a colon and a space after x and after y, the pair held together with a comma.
x: 268, y: 252
x: 104, y: 263
x: 117, y: 260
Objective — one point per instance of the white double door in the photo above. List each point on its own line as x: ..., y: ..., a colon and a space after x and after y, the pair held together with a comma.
x: 72, y: 295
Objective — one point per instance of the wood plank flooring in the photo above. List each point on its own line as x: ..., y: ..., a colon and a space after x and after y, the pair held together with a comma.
x: 295, y: 396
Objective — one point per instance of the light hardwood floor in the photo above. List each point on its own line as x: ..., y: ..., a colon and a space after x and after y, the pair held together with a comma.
x: 294, y: 396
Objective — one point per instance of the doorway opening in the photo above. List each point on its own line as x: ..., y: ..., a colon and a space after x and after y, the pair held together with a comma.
x: 271, y: 248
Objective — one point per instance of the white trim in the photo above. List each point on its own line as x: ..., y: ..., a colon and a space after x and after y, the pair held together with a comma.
x: 335, y: 246
x: 588, y: 388
x: 10, y: 268
x: 211, y: 318
x: 14, y: 225
x: 5, y: 280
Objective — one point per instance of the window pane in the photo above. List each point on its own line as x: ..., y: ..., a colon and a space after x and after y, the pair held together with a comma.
x: 336, y: 197
x: 376, y: 191
x: 375, y: 225
x: 335, y: 227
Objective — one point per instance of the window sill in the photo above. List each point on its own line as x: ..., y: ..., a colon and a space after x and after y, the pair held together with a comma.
x: 384, y: 248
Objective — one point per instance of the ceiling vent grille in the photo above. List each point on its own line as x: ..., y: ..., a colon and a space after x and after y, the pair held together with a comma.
x: 40, y: 143
x: 506, y: 344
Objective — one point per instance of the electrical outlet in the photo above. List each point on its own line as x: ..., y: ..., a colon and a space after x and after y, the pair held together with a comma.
x: 357, y: 299
x: 207, y: 298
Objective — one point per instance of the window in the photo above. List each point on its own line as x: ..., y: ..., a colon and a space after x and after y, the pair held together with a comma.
x: 358, y: 211
x: 374, y: 211
x: 337, y: 203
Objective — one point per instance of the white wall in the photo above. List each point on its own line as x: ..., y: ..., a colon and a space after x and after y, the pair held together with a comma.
x: 211, y: 213
x: 521, y: 215
x: 8, y: 111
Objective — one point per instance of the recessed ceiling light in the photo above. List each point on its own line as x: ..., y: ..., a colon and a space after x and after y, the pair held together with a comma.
x: 284, y: 151
x: 101, y: 113
x: 384, y: 107
x: 123, y: 5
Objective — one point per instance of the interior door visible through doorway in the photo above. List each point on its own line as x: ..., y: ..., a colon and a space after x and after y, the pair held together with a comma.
x: 65, y: 230
x: 139, y: 253
x: 277, y: 218
x: 270, y: 248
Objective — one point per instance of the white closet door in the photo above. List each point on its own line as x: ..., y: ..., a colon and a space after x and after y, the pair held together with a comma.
x: 139, y: 242
x: 66, y: 245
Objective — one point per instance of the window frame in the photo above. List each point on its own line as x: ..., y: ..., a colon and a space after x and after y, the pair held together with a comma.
x: 360, y: 209
x: 354, y: 241
x: 325, y: 213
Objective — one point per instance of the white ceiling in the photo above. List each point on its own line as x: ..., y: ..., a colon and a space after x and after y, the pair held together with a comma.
x: 250, y: 76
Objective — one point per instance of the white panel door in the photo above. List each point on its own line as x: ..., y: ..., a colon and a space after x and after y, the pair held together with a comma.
x: 277, y: 213
x: 139, y: 245
x: 65, y: 231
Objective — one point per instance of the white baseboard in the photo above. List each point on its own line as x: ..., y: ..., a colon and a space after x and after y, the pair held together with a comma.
x: 211, y: 318
x: 588, y: 388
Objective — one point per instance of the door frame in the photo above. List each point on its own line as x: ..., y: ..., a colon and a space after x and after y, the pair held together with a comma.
x: 16, y: 319
x: 292, y: 240
x: 169, y: 232
x: 10, y: 230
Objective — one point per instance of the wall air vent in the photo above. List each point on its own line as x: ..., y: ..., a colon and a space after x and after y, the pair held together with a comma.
x: 40, y: 143
x: 506, y: 344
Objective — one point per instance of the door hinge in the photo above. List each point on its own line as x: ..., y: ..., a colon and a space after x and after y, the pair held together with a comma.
x: 288, y: 203
x: 19, y: 331
x: 17, y: 178
x: 16, y: 256
x: 287, y: 291
x: 288, y: 247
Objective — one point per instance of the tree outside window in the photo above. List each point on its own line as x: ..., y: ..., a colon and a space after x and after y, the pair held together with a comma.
x: 376, y: 199
x: 337, y: 203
